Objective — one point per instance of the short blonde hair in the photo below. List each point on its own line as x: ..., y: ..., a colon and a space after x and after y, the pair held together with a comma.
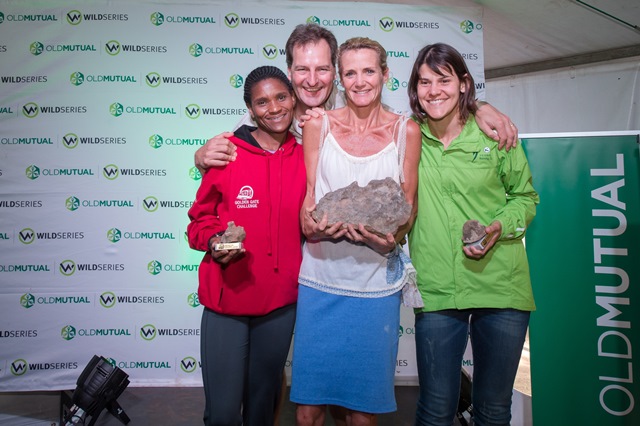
x: 357, y: 43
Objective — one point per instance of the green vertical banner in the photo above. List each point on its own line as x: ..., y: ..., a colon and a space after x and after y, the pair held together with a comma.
x: 584, y: 253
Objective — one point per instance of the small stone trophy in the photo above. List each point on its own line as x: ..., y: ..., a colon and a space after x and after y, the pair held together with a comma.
x: 474, y: 235
x: 231, y: 239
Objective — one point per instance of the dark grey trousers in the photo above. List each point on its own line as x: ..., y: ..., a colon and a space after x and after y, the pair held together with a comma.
x: 242, y: 362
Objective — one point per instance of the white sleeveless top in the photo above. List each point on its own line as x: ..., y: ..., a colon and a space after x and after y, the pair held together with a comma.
x: 341, y: 266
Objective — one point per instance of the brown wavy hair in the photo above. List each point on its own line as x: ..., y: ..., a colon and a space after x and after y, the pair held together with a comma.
x: 437, y: 57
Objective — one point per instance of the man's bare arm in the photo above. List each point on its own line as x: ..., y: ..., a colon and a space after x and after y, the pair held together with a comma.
x: 496, y: 125
x: 218, y: 151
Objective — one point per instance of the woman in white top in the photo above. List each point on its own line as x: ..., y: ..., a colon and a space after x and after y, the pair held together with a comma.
x: 346, y: 337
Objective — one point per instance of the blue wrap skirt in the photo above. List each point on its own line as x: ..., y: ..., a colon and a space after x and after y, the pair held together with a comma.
x: 345, y: 350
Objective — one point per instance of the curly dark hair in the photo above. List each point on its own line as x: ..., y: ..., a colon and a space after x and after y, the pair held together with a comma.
x: 263, y: 73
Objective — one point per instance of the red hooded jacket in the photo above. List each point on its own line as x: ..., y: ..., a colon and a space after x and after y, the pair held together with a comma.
x: 263, y: 192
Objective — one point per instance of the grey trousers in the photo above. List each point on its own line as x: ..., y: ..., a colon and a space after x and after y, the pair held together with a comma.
x: 242, y: 361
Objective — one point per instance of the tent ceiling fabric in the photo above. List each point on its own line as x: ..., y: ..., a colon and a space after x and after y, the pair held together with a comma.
x: 523, y: 36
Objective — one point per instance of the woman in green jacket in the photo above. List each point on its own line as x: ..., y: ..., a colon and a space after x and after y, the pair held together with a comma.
x: 484, y: 291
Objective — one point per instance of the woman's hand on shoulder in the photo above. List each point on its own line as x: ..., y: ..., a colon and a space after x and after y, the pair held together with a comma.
x: 311, y: 127
x: 414, y: 139
x: 316, y: 112
x: 413, y: 129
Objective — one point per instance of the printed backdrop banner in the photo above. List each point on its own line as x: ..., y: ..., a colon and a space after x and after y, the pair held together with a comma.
x: 584, y: 249
x: 102, y: 106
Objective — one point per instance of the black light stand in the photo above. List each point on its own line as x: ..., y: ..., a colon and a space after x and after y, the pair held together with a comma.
x: 98, y: 387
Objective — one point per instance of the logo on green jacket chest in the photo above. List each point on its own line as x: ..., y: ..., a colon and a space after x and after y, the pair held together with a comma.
x: 484, y: 155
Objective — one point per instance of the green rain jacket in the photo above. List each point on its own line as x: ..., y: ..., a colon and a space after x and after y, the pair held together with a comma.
x: 472, y: 179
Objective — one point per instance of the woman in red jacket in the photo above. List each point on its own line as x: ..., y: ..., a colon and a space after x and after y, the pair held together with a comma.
x: 249, y: 294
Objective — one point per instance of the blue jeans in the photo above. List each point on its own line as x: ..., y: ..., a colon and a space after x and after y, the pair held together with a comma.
x: 497, y: 337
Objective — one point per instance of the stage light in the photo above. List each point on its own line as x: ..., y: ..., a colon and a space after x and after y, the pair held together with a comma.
x: 98, y: 387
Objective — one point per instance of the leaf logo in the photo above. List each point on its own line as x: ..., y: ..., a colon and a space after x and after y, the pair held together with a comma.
x: 393, y: 84
x: 154, y: 267
x: 114, y: 235
x: 194, y: 173
x: 193, y: 300
x: 195, y: 50
x: 68, y: 332
x: 157, y: 18
x: 77, y: 78
x: 236, y: 80
x: 72, y: 203
x: 27, y: 300
x: 32, y: 172
x: 155, y: 141
x: 36, y: 48
x: 116, y: 109
x: 466, y: 26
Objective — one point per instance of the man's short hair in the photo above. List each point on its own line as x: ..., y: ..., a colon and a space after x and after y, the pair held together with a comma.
x: 304, y: 34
